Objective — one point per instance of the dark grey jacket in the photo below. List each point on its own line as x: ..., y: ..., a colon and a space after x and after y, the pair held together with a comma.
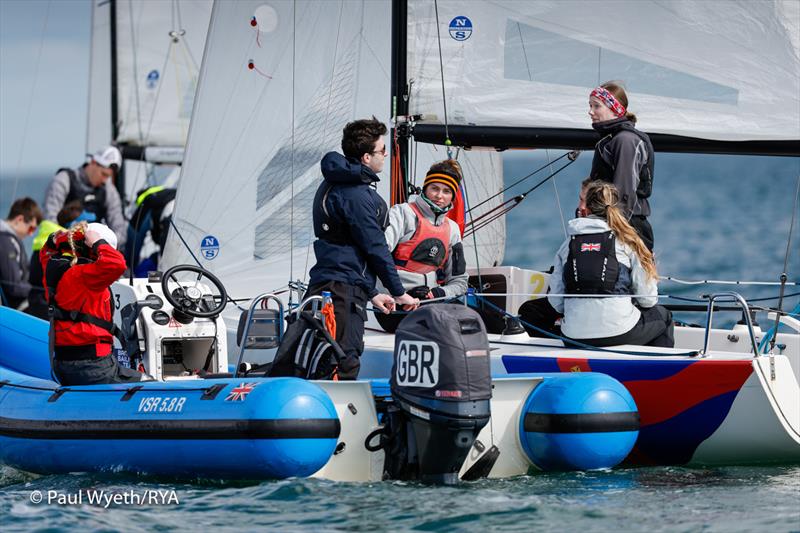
x: 13, y: 267
x: 624, y: 156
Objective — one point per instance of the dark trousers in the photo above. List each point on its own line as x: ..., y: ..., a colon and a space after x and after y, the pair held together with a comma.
x: 644, y: 229
x: 95, y: 371
x: 654, y: 328
x: 390, y: 322
x: 350, y: 311
x: 540, y: 314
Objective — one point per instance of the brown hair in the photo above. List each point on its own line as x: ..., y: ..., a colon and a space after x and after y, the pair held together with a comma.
x: 601, y: 200
x: 26, y: 207
x: 69, y: 212
x: 616, y: 88
x: 359, y: 137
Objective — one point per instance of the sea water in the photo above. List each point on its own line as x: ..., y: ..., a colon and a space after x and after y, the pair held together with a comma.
x: 721, y: 218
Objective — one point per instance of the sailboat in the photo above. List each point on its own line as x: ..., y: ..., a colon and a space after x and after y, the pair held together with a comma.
x: 279, y: 80
x: 504, y: 75
x: 266, y: 427
x: 145, y: 59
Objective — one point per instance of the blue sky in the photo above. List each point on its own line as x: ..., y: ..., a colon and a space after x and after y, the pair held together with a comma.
x: 44, y: 78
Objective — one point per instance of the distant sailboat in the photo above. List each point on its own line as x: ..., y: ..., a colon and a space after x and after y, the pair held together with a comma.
x: 145, y: 59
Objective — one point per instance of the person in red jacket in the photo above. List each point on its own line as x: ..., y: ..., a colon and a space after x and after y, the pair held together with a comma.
x: 79, y: 267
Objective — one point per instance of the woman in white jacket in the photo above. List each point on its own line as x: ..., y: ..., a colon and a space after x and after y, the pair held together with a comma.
x: 425, y: 243
x: 605, y: 256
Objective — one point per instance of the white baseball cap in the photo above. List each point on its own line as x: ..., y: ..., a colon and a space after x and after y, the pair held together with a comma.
x: 106, y: 233
x: 108, y: 156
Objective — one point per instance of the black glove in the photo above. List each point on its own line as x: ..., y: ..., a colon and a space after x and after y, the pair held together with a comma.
x: 420, y: 292
x: 437, y: 292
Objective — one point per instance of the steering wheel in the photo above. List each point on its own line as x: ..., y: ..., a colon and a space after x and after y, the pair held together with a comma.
x: 189, y: 299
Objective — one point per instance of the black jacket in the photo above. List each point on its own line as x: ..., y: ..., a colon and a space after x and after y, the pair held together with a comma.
x: 13, y: 268
x: 349, y: 219
x: 624, y: 156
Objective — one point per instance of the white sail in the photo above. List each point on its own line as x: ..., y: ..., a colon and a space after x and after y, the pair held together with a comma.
x: 711, y: 69
x: 258, y: 134
x: 159, y: 50
x: 98, y: 131
x: 143, y: 72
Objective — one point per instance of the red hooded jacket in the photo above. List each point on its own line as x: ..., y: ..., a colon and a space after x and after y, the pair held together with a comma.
x: 84, y: 288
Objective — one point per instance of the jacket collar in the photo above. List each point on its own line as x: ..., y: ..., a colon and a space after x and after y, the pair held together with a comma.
x: 590, y: 224
x: 341, y: 170
x: 425, y: 209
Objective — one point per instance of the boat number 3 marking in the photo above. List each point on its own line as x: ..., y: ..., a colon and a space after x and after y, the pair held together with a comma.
x: 160, y: 404
x: 417, y: 364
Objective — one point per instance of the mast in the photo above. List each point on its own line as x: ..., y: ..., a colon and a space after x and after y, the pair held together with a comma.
x: 120, y: 178
x: 399, y: 95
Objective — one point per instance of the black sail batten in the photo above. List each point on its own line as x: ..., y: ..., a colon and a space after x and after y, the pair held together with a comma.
x: 505, y: 138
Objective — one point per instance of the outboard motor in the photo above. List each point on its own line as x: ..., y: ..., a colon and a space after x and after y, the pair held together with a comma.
x: 441, y: 385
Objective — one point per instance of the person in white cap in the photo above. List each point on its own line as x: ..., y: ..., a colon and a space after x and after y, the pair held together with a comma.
x: 93, y: 186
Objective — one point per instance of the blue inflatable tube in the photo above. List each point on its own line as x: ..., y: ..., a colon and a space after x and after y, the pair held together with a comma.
x: 578, y: 421
x: 24, y: 343
x: 260, y: 428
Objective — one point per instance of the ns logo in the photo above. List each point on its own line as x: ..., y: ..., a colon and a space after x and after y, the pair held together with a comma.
x: 417, y: 364
x: 460, y: 28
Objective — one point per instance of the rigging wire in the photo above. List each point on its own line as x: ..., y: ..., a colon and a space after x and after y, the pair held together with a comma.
x: 291, y: 163
x: 506, y: 189
x: 135, y: 74
x: 503, y: 208
x: 721, y: 282
x: 30, y: 99
x: 774, y: 330
x: 558, y: 199
x: 324, y: 135
x: 447, y: 140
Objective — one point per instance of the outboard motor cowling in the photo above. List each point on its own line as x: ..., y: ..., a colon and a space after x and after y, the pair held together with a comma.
x: 441, y: 383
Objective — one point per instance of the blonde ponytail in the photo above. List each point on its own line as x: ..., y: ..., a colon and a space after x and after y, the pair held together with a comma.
x: 79, y: 227
x: 601, y: 200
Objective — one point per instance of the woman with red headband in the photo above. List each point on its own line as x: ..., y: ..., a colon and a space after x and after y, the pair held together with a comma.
x: 426, y: 243
x: 623, y: 156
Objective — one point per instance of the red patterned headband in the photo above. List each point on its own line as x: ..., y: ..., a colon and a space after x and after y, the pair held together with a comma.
x: 608, y: 99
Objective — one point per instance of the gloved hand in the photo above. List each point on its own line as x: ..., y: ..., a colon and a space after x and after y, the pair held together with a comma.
x: 420, y: 292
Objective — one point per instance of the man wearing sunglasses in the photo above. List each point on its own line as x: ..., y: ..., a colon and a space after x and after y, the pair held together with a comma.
x: 23, y: 219
x: 93, y: 185
x: 349, y: 220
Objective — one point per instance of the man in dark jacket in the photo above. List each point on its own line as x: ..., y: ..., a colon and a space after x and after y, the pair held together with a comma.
x: 349, y: 221
x: 23, y: 219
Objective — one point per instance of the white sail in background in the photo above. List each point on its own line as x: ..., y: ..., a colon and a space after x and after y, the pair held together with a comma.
x: 98, y: 131
x: 711, y: 69
x: 159, y: 50
x: 156, y: 48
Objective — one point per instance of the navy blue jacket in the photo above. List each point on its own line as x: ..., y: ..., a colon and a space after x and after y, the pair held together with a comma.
x: 349, y: 219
